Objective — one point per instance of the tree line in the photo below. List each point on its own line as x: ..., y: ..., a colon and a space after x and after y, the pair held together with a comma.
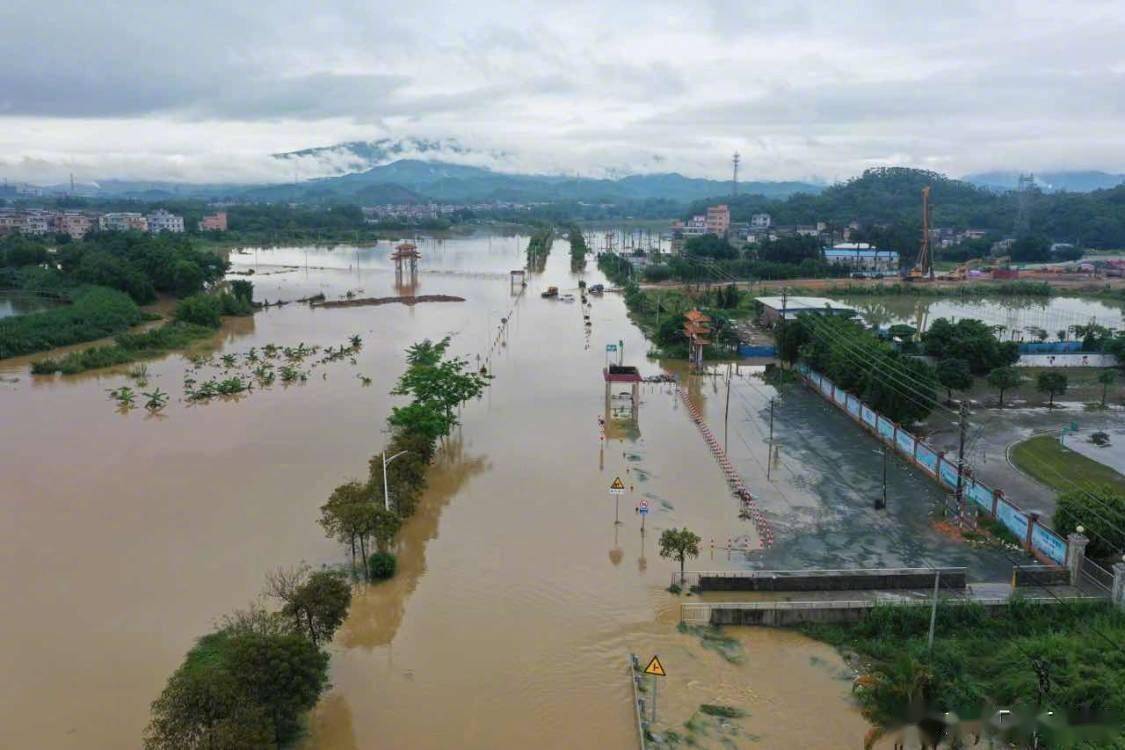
x: 890, y: 197
x: 248, y: 683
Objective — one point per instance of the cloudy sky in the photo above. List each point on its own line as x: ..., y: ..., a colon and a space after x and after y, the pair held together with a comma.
x: 206, y: 90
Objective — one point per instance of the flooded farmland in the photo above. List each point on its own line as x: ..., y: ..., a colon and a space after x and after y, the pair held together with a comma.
x: 1015, y: 314
x: 126, y: 536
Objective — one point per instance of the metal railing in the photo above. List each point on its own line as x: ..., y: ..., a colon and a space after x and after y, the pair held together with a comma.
x: 1097, y: 575
x: 634, y: 676
x: 693, y: 577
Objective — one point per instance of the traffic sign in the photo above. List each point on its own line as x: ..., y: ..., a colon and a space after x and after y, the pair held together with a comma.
x: 655, y: 668
x: 611, y: 347
x: 643, y: 507
x: 617, y: 488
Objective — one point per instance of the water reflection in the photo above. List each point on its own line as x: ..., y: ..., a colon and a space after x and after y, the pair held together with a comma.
x: 377, y: 610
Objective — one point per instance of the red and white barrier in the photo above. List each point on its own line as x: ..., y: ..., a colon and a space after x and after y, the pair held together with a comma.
x: 765, y: 532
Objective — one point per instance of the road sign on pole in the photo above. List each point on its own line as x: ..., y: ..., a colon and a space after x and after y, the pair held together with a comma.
x: 617, y: 489
x: 656, y: 669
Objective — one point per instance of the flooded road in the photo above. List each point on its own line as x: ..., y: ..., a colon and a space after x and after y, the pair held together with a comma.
x: 126, y: 536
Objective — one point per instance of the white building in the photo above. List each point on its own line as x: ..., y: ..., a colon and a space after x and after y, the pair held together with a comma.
x: 760, y: 221
x: 163, y: 221
x: 36, y: 222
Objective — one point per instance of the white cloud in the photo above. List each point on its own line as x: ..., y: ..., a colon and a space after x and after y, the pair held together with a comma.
x: 205, y: 91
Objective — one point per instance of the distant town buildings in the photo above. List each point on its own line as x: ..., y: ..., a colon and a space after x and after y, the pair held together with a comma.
x: 760, y: 221
x: 123, y: 221
x: 861, y: 256
x: 161, y: 220
x: 216, y: 222
x: 74, y: 223
x: 718, y: 220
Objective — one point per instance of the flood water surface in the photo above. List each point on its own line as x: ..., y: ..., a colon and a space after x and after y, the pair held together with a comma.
x: 126, y: 536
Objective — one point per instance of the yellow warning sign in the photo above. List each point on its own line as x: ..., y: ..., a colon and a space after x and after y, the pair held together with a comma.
x: 655, y: 668
x: 617, y: 487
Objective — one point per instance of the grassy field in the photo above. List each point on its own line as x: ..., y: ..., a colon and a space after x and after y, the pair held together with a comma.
x: 1043, y: 458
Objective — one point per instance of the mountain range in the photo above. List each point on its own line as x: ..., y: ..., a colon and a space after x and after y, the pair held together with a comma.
x: 1049, y: 182
x: 444, y: 170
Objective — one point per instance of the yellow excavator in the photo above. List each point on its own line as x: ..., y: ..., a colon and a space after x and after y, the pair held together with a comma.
x: 923, y: 270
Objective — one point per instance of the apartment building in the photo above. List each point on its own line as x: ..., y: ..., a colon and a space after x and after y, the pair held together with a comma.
x: 161, y: 220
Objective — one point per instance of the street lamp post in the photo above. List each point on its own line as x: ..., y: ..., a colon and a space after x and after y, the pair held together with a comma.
x: 386, y: 490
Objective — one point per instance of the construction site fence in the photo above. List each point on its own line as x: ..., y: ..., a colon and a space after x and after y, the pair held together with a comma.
x: 1039, y: 540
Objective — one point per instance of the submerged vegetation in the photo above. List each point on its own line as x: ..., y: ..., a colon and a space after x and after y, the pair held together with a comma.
x: 249, y: 683
x: 578, y: 247
x: 360, y: 513
x: 1028, y: 658
x: 104, y: 278
x: 538, y: 248
x: 92, y: 314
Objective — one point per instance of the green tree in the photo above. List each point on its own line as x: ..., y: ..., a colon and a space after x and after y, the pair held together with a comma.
x: 1052, y: 383
x: 316, y: 603
x: 203, y: 706
x: 346, y: 518
x: 1003, y: 379
x: 954, y: 374
x: 282, y: 674
x: 972, y: 341
x: 385, y: 524
x: 1098, y: 509
x: 710, y: 246
x: 200, y: 309
x: 792, y: 250
x: 679, y: 544
x: 1107, y: 378
x: 790, y: 337
x: 187, y: 278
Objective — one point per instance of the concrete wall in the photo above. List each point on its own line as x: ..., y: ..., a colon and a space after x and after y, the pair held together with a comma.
x: 833, y: 580
x: 1040, y: 575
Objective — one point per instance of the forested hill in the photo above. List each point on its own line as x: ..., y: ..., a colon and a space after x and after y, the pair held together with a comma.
x: 892, y: 196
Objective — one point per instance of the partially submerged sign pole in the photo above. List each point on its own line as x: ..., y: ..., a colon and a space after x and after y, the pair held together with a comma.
x: 643, y: 510
x: 617, y: 489
x: 656, y: 669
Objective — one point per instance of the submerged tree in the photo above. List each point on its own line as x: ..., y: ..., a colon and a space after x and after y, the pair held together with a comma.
x: 954, y: 375
x: 679, y: 544
x: 1051, y: 383
x: 1107, y: 378
x: 315, y: 603
x: 1003, y: 379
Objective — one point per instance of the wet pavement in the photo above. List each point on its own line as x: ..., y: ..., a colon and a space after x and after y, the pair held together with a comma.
x: 823, y: 482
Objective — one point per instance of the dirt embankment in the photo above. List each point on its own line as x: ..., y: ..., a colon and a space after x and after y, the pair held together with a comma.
x: 405, y: 300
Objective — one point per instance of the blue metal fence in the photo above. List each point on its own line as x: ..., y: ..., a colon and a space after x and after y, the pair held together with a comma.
x: 1038, y: 538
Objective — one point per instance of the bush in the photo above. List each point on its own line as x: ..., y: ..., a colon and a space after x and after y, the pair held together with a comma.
x: 95, y: 313
x: 382, y: 565
x: 128, y: 347
x: 1101, y: 511
x: 201, y: 310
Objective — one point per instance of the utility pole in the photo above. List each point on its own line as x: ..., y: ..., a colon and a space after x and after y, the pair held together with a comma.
x: 933, y: 611
x: 961, y: 461
x: 769, y: 459
x: 726, y: 411
x: 880, y: 505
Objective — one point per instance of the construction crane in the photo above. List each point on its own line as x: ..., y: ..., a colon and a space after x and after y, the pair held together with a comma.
x: 923, y: 270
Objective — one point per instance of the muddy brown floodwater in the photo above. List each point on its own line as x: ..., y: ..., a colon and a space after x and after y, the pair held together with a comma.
x: 125, y: 536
